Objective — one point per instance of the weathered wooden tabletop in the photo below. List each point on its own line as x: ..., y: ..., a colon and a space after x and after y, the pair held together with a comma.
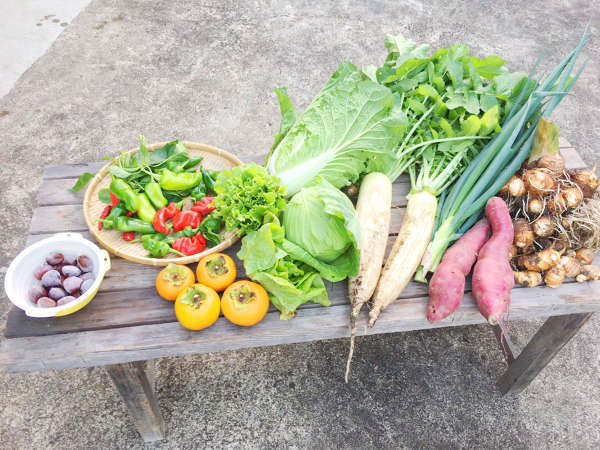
x: 128, y: 321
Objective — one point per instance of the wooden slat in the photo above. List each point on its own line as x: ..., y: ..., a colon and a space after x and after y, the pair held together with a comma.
x: 113, y: 346
x: 56, y: 192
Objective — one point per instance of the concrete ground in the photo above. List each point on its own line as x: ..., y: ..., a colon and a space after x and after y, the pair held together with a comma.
x: 205, y: 71
x: 27, y: 29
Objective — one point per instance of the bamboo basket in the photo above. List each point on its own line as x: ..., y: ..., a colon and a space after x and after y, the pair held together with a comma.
x: 111, y: 240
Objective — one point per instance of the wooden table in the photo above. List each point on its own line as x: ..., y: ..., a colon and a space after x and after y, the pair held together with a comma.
x: 127, y: 323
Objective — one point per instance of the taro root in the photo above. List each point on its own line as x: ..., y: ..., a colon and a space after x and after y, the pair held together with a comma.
x: 585, y: 255
x: 535, y: 206
x: 554, y: 277
x: 523, y: 233
x: 586, y: 180
x: 557, y: 204
x: 588, y: 273
x: 528, y: 278
x: 514, y: 187
x: 554, y: 163
x: 572, y: 196
x: 540, y: 261
x: 539, y: 182
x: 543, y: 227
x: 571, y: 266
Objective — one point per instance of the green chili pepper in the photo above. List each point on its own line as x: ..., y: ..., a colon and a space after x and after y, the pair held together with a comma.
x: 146, y: 211
x: 192, y: 162
x: 121, y: 189
x: 125, y: 224
x: 117, y: 211
x: 209, y: 182
x: 156, y: 247
x: 199, y: 192
x: 154, y: 193
x: 179, y: 181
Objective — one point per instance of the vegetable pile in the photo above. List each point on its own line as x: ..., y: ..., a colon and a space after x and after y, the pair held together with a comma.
x: 556, y: 216
x: 474, y: 138
x: 161, y: 199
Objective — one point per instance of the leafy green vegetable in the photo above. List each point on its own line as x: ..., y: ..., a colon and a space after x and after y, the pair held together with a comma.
x: 288, y: 116
x: 453, y: 102
x: 245, y: 195
x: 82, y: 181
x: 351, y: 123
x: 322, y: 223
x: 289, y: 282
x: 104, y: 196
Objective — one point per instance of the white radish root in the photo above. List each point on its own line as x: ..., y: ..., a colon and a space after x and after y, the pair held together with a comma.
x: 373, y: 210
x: 407, y: 252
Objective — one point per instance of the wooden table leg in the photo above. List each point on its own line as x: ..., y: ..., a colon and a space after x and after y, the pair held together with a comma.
x: 540, y: 350
x: 132, y: 383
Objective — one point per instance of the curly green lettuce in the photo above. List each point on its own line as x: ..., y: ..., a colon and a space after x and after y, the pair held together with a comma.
x: 245, y: 195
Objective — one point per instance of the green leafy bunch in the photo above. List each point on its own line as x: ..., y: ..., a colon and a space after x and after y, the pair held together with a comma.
x: 245, y: 195
x: 454, y: 103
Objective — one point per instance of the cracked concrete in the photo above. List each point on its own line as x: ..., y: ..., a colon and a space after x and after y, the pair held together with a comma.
x: 205, y: 71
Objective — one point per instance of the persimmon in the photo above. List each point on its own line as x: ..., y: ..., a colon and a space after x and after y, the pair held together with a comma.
x: 245, y: 303
x: 216, y: 271
x: 174, y: 279
x: 197, y: 307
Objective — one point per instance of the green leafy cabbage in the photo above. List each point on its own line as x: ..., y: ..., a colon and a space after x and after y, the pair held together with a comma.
x: 350, y: 125
x: 289, y: 282
x: 322, y: 223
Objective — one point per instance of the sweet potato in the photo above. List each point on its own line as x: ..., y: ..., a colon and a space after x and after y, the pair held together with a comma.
x: 493, y: 277
x: 447, y: 287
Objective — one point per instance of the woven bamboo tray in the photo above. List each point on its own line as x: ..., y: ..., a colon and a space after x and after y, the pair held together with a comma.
x: 111, y: 240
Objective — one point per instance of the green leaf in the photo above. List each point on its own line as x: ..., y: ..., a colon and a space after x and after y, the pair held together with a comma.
x: 470, y: 126
x: 288, y: 115
x: 118, y: 172
x: 82, y: 181
x: 104, y: 196
x: 487, y: 101
x: 447, y: 128
x: 370, y: 72
x: 426, y: 90
x: 350, y: 122
x: 488, y: 67
x: 489, y: 121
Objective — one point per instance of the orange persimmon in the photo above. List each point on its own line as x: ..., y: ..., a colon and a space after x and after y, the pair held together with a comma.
x: 197, y: 307
x: 216, y: 271
x: 172, y: 280
x: 245, y: 303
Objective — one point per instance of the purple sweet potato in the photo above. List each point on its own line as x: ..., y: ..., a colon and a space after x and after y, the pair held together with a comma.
x: 447, y: 286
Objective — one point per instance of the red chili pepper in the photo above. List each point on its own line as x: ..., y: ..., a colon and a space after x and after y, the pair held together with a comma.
x: 190, y: 246
x: 162, y: 215
x: 114, y: 201
x: 129, y: 214
x: 128, y: 236
x: 204, y: 206
x: 105, y: 212
x: 186, y: 219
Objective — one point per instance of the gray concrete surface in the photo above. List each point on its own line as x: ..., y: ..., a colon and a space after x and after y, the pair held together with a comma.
x: 205, y: 71
x: 27, y: 29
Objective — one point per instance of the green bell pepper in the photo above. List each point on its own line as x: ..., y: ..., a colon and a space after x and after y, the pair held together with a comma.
x: 179, y: 181
x: 125, y: 224
x: 211, y: 229
x: 154, y: 193
x: 121, y: 189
